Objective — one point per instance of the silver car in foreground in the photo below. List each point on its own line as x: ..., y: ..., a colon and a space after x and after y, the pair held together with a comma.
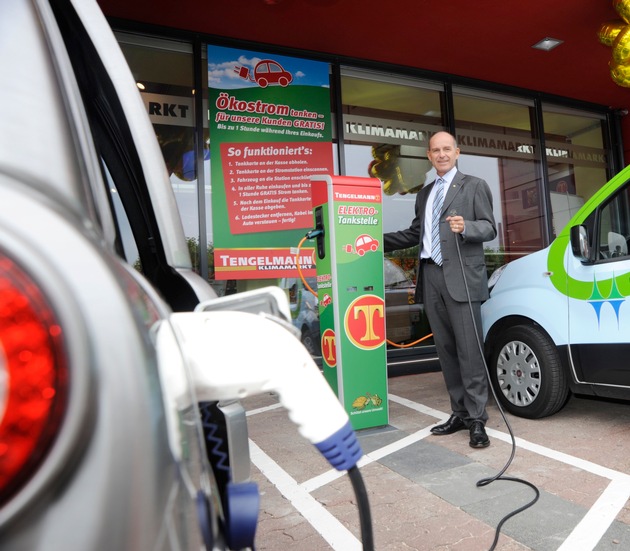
x: 90, y: 455
x: 120, y: 425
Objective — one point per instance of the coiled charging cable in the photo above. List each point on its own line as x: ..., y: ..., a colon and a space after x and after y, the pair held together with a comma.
x: 499, y: 475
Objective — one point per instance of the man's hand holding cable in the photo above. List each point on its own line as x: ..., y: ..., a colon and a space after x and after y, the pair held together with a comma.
x: 456, y: 223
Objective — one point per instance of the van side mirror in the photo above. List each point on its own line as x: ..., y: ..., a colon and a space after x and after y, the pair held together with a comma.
x: 580, y: 243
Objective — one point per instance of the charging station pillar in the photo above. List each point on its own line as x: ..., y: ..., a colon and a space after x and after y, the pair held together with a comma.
x: 351, y: 294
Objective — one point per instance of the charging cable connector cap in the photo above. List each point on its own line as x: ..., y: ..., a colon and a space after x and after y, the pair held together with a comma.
x: 314, y: 233
x: 273, y: 360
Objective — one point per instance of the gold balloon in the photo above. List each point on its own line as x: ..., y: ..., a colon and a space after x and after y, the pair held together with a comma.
x: 609, y: 31
x: 386, y: 167
x: 617, y: 35
x: 623, y: 9
x: 621, y: 46
x: 620, y: 73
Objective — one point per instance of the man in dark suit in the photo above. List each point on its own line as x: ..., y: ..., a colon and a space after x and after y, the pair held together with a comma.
x: 452, y: 280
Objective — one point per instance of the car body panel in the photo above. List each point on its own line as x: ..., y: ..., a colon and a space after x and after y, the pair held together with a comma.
x: 543, y: 302
x: 119, y: 474
x: 113, y: 453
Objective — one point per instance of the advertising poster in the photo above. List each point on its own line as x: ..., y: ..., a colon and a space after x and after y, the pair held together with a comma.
x: 270, y: 131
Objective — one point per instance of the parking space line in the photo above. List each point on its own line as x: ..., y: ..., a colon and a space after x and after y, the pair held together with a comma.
x: 331, y: 529
x: 420, y: 408
x: 326, y: 478
x: 562, y: 457
x: 590, y: 530
x: 585, y: 536
x: 263, y: 409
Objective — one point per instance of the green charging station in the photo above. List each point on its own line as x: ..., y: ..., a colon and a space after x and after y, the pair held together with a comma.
x: 351, y: 294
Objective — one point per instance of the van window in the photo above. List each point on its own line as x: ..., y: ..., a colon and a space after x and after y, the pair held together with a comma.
x: 614, y: 226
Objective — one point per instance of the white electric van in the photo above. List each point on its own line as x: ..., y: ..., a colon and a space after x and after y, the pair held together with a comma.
x: 558, y: 321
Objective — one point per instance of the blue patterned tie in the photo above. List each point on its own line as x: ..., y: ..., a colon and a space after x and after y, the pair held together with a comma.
x: 438, y: 201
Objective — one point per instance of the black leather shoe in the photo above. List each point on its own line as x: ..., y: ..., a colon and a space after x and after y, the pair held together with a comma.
x: 478, y: 436
x: 453, y: 424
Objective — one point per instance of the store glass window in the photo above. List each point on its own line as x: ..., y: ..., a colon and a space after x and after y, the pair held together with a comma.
x: 576, y: 160
x: 498, y: 144
x: 387, y: 122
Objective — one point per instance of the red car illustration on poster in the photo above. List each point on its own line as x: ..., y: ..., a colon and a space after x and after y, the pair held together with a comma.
x: 363, y: 244
x: 266, y: 72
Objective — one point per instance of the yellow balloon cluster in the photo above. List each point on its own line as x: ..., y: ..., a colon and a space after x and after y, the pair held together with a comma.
x: 386, y: 168
x: 616, y: 34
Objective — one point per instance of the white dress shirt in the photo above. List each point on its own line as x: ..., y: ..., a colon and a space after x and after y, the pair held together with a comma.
x: 428, y: 216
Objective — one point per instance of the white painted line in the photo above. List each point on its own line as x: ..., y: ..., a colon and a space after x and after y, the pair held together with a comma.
x: 562, y: 457
x: 263, y: 410
x: 599, y: 517
x: 590, y: 530
x: 333, y: 531
x: 584, y: 537
x: 418, y: 407
x: 327, y: 477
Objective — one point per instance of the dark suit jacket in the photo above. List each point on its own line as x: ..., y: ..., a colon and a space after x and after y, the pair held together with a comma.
x: 467, y: 196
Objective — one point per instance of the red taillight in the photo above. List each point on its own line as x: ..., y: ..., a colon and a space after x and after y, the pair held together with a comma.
x: 33, y: 377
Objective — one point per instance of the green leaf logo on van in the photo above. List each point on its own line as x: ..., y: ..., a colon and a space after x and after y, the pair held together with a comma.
x: 612, y: 290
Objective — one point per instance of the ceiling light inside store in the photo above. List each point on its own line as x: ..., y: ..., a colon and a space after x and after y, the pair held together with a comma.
x: 547, y: 44
x: 140, y: 85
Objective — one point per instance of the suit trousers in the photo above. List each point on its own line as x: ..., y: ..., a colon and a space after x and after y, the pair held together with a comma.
x: 457, y: 341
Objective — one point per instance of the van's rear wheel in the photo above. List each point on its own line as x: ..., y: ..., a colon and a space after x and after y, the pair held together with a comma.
x: 527, y: 374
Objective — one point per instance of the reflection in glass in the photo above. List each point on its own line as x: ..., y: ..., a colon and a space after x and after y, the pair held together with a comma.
x: 387, y: 123
x: 498, y: 144
x: 576, y: 160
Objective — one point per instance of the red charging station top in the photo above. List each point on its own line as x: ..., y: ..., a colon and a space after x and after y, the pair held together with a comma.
x: 320, y: 184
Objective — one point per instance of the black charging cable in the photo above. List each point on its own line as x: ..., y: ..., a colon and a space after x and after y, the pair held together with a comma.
x: 499, y: 475
x: 365, y: 515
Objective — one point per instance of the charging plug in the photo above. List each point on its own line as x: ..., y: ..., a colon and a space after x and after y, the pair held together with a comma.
x: 318, y: 233
x: 319, y: 226
x: 232, y: 355
x: 315, y: 232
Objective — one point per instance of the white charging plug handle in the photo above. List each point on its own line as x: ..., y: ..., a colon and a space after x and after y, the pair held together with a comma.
x: 232, y: 355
